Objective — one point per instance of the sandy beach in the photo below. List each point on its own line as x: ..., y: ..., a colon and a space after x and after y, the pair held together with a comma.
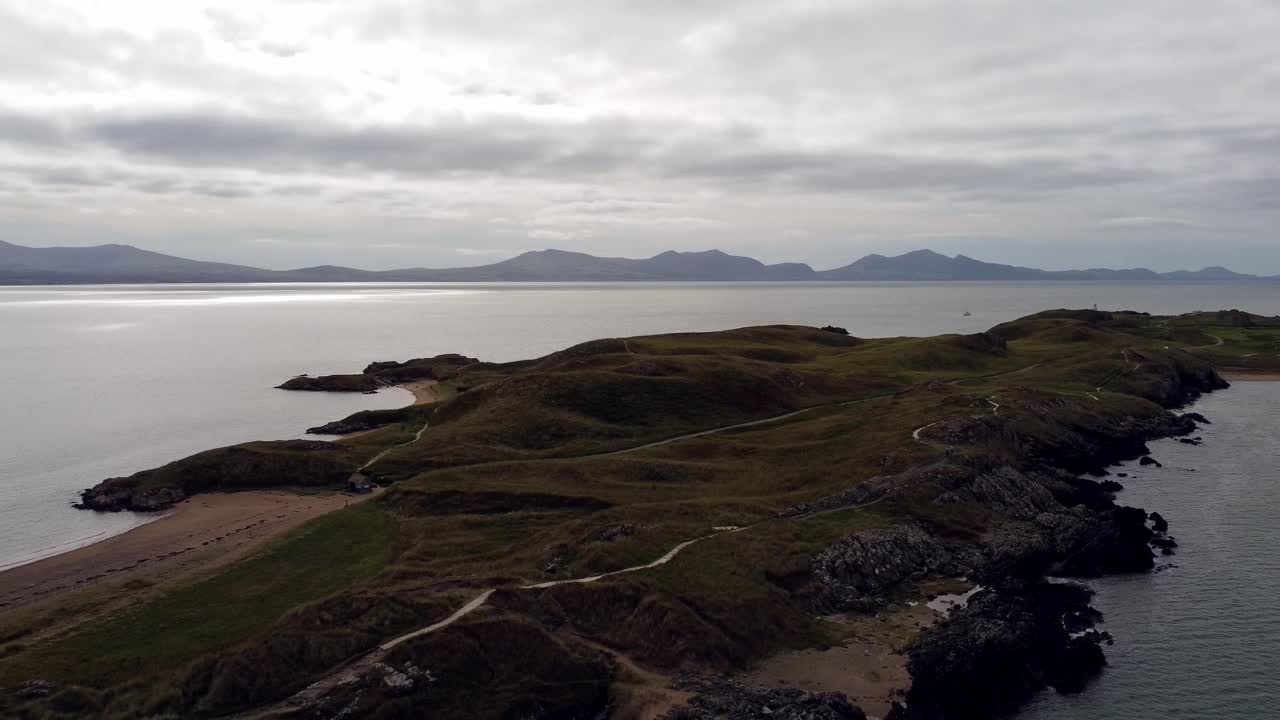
x: 867, y: 667
x: 424, y: 391
x: 202, y: 532
x: 1238, y: 374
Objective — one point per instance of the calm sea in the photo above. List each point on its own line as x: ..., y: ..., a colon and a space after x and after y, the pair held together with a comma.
x: 104, y: 381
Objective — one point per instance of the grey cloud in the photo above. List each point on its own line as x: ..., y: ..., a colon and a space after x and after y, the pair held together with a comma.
x: 1146, y: 221
x: 535, y: 97
x: 68, y: 178
x: 282, y: 50
x: 226, y: 141
x: 221, y: 190
x: 158, y: 186
x: 1030, y: 121
x: 522, y: 148
x: 24, y: 129
x: 872, y: 172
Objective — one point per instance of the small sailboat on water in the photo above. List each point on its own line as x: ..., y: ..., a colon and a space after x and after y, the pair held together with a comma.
x: 966, y: 312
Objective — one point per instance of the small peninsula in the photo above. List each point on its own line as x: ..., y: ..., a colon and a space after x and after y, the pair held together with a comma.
x: 677, y: 526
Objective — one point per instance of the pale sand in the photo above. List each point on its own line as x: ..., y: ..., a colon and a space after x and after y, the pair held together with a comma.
x: 1235, y: 374
x: 200, y: 533
x: 203, y: 532
x: 424, y: 391
x: 867, y: 668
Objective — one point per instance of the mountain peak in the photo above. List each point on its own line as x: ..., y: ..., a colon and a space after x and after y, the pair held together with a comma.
x: 126, y: 263
x: 691, y: 253
x: 921, y: 254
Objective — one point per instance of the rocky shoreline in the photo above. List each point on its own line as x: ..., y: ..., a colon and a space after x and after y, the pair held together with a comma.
x: 255, y: 465
x: 382, y: 374
x: 1019, y: 634
x: 260, y: 464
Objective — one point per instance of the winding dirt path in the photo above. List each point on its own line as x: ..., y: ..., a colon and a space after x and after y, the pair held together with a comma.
x: 1217, y: 342
x: 795, y: 413
x: 352, y: 671
x: 384, y: 453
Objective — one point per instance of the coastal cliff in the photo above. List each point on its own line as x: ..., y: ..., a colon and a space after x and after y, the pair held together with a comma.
x: 256, y: 465
x: 382, y: 374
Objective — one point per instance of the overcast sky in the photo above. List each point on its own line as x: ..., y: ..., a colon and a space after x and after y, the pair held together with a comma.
x: 383, y: 134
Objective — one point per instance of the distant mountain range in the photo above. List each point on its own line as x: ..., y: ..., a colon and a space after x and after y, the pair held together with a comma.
x: 20, y: 265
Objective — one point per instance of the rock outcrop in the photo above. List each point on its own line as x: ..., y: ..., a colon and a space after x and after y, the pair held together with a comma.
x: 723, y: 700
x: 239, y: 467
x: 1004, y: 646
x: 857, y: 572
x: 370, y: 420
x: 382, y: 374
x: 1021, y: 634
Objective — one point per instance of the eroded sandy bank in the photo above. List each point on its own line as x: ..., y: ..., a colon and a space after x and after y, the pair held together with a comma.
x: 203, y: 532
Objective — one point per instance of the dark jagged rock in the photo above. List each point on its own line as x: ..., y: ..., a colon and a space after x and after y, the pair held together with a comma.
x: 1024, y: 634
x: 1188, y: 441
x: 999, y: 650
x: 1004, y: 489
x: 1080, y: 661
x: 239, y: 467
x: 1050, y: 430
x: 1115, y: 542
x: 382, y: 374
x: 114, y: 498
x: 33, y: 689
x: 1148, y: 461
x: 369, y: 420
x: 856, y: 572
x: 1158, y: 523
x: 1197, y: 418
x: 836, y: 330
x: 723, y: 700
x: 401, y: 681
x: 332, y: 383
x: 1072, y: 542
x: 616, y: 532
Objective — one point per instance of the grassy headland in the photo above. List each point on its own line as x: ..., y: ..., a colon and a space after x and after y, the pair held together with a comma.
x: 917, y: 458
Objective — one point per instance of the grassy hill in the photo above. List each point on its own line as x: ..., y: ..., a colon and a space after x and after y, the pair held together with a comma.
x: 822, y: 446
